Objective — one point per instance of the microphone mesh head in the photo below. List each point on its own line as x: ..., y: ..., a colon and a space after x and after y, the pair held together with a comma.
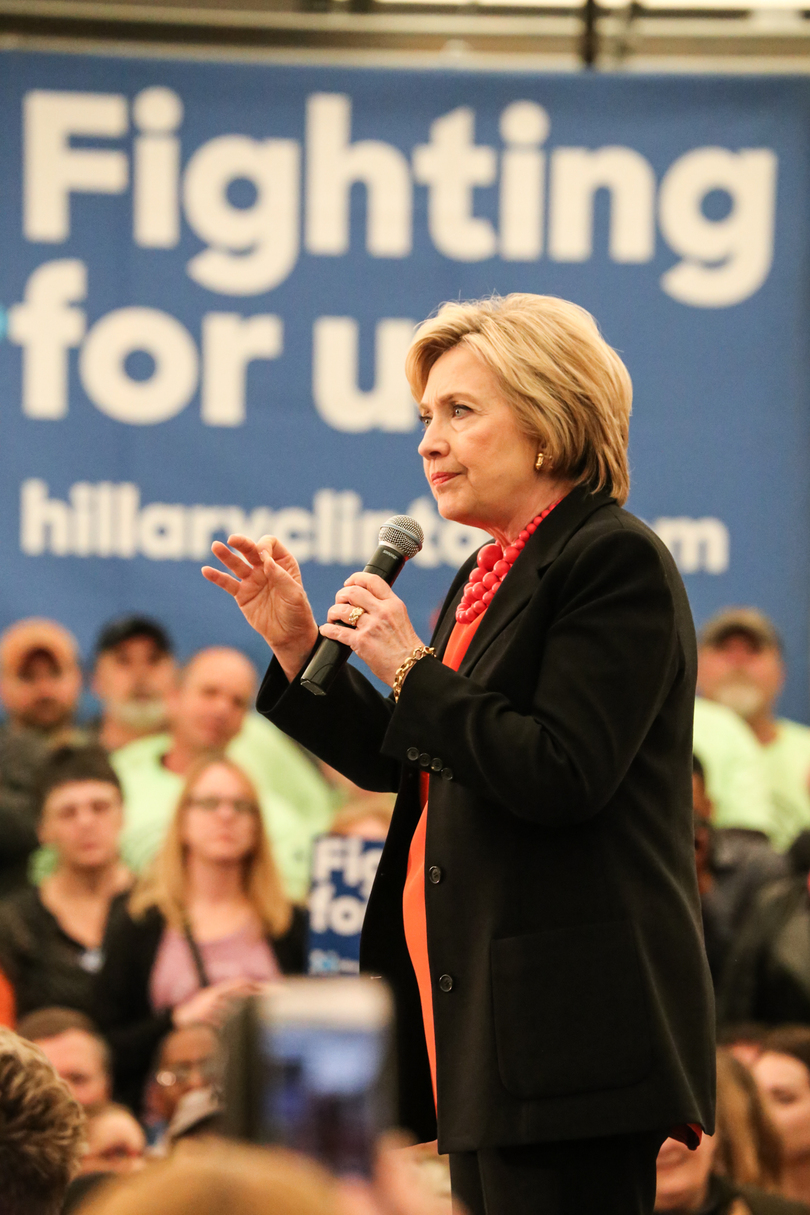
x: 402, y: 533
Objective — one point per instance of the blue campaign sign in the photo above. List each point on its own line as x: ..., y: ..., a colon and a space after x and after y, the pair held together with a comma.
x: 343, y: 869
x: 211, y: 270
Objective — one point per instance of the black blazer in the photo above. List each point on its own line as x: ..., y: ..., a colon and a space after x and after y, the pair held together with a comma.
x: 571, y: 992
x: 123, y: 1010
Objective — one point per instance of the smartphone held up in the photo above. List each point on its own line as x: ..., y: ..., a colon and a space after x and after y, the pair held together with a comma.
x: 310, y: 1066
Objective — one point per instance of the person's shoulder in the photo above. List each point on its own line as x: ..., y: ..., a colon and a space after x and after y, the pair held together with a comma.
x: 144, y: 752
x: 260, y: 747
x: 611, y: 527
x: 777, y: 901
x: 121, y: 919
x: 793, y: 733
x: 760, y: 1203
x: 20, y: 750
x: 25, y: 902
x: 611, y: 546
x: 21, y: 915
x: 722, y: 722
x: 290, y: 947
x: 257, y: 732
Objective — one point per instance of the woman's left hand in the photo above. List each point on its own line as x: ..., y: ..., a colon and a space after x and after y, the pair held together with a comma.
x: 384, y: 636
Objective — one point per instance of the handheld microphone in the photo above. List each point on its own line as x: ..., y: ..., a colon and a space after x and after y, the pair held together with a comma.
x: 400, y: 539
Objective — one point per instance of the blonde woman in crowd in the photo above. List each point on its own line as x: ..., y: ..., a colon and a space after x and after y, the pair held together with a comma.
x: 203, y: 927
x: 736, y: 1171
x: 782, y: 1073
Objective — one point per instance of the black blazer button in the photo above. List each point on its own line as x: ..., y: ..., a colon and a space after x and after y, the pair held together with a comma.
x: 436, y: 765
x: 424, y: 759
x: 447, y: 773
x: 435, y: 874
x: 412, y: 753
x: 446, y: 982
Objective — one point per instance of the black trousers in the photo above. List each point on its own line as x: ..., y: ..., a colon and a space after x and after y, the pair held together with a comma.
x: 610, y: 1176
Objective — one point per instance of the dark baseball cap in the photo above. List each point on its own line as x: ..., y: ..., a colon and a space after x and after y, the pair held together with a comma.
x: 747, y: 620
x: 127, y: 627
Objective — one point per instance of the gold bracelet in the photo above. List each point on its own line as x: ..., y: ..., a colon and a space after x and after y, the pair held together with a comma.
x: 420, y: 652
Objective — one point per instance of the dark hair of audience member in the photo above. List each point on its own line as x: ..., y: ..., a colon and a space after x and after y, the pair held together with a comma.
x: 749, y: 1150
x: 68, y: 765
x: 798, y: 854
x: 43, y: 1130
x: 222, y: 1179
x: 749, y: 1032
x: 697, y: 768
x: 46, y: 1023
x: 789, y: 1040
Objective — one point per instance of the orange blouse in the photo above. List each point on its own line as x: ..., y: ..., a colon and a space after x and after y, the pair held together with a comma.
x: 413, y: 895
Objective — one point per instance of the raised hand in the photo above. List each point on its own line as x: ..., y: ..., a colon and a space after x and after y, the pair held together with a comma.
x: 266, y: 583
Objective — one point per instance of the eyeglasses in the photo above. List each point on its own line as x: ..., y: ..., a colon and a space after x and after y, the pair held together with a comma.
x: 242, y: 805
x: 182, y: 1073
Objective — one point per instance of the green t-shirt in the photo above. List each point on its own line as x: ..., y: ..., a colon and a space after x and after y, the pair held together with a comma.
x: 765, y: 787
x: 736, y: 779
x: 297, y: 804
x: 787, y: 763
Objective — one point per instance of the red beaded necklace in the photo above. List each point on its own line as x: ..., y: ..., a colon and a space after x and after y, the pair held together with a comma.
x: 494, y: 563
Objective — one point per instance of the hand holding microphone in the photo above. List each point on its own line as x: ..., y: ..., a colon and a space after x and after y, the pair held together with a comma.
x: 367, y: 617
x: 265, y: 581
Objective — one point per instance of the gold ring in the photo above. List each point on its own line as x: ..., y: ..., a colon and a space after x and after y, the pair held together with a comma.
x: 354, y: 615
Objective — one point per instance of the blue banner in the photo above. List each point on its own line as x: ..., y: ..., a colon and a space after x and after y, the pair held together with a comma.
x: 343, y: 869
x: 210, y: 272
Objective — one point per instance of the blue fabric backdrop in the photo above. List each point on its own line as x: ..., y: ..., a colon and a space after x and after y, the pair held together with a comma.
x: 209, y: 272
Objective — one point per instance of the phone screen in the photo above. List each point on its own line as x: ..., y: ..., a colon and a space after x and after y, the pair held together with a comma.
x: 325, y: 1090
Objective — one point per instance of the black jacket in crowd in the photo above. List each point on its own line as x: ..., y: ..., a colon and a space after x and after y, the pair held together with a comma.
x: 767, y: 975
x: 571, y: 992
x: 45, y: 966
x: 727, y: 1198
x: 123, y: 1010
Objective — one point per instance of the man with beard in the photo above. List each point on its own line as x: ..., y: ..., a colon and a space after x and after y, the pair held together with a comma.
x: 741, y: 666
x: 133, y: 675
x: 40, y: 686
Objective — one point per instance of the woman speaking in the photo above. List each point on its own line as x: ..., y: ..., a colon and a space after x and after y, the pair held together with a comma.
x: 535, y: 909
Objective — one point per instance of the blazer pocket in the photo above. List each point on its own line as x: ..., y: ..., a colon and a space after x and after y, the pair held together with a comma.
x: 570, y: 1011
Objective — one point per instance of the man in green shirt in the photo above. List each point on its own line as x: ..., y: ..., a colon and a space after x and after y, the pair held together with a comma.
x: 736, y: 779
x: 741, y: 667
x: 210, y: 710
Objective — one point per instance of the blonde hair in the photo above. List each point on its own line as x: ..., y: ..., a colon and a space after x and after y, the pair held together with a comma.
x: 749, y: 1150
x: 568, y: 388
x: 43, y: 1130
x: 165, y: 884
x: 223, y: 1179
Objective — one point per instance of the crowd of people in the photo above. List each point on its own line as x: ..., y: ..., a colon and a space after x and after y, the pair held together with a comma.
x: 154, y: 869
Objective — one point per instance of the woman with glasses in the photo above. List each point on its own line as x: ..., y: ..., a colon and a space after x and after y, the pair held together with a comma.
x: 205, y: 925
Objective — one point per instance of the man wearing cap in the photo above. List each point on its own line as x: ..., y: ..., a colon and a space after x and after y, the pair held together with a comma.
x: 134, y: 674
x: 40, y: 686
x: 741, y: 668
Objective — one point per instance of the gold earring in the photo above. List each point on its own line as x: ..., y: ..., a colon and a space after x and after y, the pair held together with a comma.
x: 540, y: 461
